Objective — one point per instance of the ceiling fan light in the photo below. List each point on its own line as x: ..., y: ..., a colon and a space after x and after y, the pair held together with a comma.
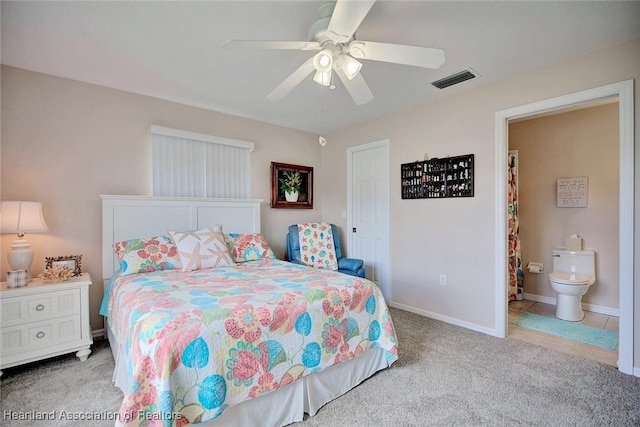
x: 323, y: 78
x: 350, y: 66
x: 323, y: 61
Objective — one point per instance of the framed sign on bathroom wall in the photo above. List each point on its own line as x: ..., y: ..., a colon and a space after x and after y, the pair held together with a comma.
x: 572, y: 192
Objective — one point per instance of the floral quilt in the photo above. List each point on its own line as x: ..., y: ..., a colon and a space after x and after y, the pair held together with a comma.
x: 198, y: 342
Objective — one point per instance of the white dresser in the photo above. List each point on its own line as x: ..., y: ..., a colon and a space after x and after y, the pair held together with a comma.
x: 43, y: 320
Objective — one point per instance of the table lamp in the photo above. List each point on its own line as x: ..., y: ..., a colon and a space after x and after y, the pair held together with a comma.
x: 21, y: 218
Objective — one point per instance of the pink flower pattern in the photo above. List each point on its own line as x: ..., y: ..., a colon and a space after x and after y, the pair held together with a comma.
x: 335, y: 302
x: 248, y: 247
x: 146, y: 255
x: 247, y: 322
x: 266, y: 383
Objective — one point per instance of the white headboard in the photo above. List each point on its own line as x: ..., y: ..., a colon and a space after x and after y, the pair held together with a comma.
x: 130, y: 217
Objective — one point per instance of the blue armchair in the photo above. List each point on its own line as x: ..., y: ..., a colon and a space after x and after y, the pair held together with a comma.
x: 351, y: 266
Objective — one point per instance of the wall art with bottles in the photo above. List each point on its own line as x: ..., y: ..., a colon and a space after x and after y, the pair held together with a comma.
x: 438, y: 178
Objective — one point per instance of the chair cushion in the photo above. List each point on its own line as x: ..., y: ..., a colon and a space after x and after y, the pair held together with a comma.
x: 293, y: 245
x: 351, y: 264
x: 359, y: 273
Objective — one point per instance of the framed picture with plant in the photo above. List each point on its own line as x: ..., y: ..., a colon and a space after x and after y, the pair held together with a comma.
x: 291, y: 186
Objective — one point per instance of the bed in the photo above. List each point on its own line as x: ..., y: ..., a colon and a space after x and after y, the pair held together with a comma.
x: 257, y: 342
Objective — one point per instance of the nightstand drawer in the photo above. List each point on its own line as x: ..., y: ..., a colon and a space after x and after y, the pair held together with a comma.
x: 32, y: 336
x: 42, y: 306
x: 43, y: 320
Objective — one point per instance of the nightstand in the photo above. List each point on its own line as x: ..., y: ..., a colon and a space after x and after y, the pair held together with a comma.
x: 43, y: 320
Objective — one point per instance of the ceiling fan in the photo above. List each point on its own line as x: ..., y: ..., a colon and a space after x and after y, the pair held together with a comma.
x: 333, y: 36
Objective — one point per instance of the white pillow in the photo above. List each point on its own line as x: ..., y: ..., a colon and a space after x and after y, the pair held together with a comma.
x: 202, y: 248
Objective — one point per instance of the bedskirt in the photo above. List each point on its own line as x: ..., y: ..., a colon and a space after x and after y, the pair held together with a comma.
x: 287, y: 404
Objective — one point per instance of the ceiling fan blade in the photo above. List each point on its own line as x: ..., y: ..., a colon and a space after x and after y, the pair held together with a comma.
x: 292, y: 81
x: 347, y: 17
x: 397, y: 53
x: 261, y: 44
x: 357, y: 87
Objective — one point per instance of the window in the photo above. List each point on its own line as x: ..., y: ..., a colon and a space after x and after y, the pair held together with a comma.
x: 188, y: 164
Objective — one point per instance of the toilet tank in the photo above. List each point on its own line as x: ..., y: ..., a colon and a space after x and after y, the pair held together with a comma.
x: 584, y: 261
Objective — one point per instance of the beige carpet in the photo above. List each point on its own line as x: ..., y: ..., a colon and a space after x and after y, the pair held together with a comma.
x: 446, y: 376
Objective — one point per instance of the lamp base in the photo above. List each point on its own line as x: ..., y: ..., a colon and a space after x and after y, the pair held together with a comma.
x: 21, y: 257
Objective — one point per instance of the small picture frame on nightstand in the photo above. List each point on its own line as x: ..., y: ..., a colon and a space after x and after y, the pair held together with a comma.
x: 73, y: 263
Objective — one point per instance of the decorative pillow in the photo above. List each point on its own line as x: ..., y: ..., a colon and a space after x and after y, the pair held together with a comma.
x: 248, y: 247
x: 145, y: 255
x: 200, y: 249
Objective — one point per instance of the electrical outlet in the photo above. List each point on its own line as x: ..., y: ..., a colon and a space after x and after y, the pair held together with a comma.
x: 443, y: 280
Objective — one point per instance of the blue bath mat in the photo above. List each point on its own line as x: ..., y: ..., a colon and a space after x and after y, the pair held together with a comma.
x: 570, y: 330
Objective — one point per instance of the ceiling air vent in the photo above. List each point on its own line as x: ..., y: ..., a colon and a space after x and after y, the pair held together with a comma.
x: 454, y: 79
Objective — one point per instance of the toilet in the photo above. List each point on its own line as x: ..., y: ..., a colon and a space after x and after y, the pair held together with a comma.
x: 573, y: 274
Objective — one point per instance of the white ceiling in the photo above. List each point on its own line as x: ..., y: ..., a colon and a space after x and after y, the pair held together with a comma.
x: 172, y: 50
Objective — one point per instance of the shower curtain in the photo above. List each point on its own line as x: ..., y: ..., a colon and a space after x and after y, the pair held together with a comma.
x: 516, y: 283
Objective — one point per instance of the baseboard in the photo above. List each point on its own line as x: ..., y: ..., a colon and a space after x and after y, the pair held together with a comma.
x: 539, y: 298
x: 445, y: 319
x: 587, y: 307
x: 98, y: 333
x: 636, y: 372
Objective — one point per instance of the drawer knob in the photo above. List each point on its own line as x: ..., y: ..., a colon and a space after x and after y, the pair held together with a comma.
x: 40, y: 334
x: 40, y: 307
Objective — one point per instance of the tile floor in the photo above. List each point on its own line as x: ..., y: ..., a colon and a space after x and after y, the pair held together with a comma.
x: 596, y: 320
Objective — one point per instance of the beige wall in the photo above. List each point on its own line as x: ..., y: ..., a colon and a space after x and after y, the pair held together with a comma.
x: 64, y: 143
x: 576, y: 143
x: 456, y: 237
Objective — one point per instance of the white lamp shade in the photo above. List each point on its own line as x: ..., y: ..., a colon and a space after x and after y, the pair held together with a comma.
x: 323, y: 78
x: 22, y: 217
x: 323, y: 61
x: 350, y: 66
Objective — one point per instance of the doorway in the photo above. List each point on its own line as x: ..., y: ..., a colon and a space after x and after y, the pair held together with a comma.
x: 624, y: 92
x: 368, y: 210
x: 582, y: 142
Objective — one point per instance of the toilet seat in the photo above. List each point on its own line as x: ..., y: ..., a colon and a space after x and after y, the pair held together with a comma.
x: 569, y: 278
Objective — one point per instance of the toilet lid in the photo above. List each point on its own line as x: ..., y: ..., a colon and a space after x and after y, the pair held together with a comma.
x: 569, y: 278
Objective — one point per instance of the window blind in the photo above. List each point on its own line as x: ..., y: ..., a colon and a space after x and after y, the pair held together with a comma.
x: 189, y: 164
